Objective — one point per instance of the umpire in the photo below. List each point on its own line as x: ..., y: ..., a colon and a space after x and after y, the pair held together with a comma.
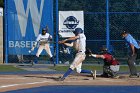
x: 133, y: 47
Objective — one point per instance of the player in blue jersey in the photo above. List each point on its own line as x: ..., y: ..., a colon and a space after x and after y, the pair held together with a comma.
x: 133, y: 47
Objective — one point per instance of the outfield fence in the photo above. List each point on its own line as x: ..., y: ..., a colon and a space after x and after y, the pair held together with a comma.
x: 104, y: 20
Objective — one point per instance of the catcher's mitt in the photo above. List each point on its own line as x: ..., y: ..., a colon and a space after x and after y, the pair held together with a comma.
x: 88, y: 52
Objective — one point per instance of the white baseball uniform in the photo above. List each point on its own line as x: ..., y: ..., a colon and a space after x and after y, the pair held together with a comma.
x: 80, y: 46
x: 43, y: 44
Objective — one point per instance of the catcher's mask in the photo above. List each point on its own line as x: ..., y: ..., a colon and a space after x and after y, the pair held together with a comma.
x: 44, y: 31
x: 77, y: 31
x: 104, y: 50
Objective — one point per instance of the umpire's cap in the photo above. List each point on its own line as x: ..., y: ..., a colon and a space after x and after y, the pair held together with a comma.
x: 124, y: 33
x: 78, y: 31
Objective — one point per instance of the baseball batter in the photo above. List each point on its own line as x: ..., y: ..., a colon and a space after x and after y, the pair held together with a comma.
x: 80, y: 45
x: 43, y: 40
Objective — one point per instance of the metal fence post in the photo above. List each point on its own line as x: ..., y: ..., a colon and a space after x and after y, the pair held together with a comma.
x: 107, y: 26
x: 57, y: 46
x: 5, y: 32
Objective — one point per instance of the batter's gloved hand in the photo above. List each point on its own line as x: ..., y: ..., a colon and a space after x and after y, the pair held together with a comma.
x: 88, y: 52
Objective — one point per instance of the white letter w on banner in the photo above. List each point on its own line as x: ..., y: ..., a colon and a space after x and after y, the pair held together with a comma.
x: 23, y: 15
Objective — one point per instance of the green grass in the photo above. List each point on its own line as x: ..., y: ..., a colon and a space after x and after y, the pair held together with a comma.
x: 9, y: 68
x: 91, y: 67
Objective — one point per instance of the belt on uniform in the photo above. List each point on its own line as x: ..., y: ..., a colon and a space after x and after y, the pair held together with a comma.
x: 81, y: 51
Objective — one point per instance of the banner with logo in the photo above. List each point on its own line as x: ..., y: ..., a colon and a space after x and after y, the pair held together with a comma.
x: 25, y: 20
x: 68, y: 21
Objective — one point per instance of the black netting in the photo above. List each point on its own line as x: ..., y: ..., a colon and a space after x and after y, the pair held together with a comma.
x: 122, y: 14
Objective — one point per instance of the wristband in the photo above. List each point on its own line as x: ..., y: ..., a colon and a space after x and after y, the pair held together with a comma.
x: 66, y: 39
x: 93, y: 55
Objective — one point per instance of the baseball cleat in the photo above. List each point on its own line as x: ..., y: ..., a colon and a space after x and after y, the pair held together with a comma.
x: 61, y: 79
x: 116, y: 77
x: 134, y: 76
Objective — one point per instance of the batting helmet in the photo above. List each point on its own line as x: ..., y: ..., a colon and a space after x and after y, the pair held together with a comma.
x: 44, y: 31
x: 77, y: 31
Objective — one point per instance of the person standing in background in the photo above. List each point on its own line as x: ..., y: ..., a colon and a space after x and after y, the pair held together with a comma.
x: 43, y: 40
x: 133, y: 47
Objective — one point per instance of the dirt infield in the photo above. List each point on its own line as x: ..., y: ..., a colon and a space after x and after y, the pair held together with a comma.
x: 14, y: 82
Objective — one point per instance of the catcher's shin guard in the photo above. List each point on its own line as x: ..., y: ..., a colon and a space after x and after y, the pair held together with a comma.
x: 109, y: 71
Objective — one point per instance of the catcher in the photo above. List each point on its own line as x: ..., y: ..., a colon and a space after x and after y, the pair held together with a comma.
x: 111, y: 65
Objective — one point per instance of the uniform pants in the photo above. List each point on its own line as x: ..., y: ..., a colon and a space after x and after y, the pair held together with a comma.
x: 77, y: 62
x: 131, y: 64
x: 46, y: 47
x: 111, y: 70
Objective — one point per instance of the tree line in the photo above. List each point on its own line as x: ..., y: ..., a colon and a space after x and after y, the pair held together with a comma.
x: 1, y: 3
